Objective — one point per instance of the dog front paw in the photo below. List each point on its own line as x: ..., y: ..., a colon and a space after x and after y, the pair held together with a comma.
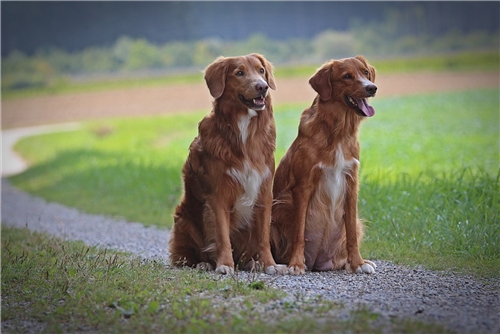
x: 279, y: 269
x: 225, y: 270
x: 297, y: 269
x: 367, y: 267
x: 205, y: 266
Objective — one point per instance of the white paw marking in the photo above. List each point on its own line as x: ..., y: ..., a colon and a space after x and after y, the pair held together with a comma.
x: 280, y: 269
x: 224, y: 270
x: 368, y: 268
x: 295, y: 270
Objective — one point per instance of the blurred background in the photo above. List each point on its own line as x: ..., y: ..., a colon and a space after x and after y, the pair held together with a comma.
x: 51, y: 43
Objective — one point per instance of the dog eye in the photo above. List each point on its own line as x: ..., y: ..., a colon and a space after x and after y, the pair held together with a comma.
x: 347, y: 76
x: 262, y: 70
x: 366, y: 72
x: 239, y: 73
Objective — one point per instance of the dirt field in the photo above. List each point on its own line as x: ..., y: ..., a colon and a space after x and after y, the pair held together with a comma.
x: 184, y: 98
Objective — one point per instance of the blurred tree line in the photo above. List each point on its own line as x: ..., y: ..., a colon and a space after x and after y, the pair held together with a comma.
x: 390, y: 37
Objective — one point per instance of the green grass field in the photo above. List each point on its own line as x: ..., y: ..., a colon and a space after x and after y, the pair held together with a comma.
x: 429, y: 174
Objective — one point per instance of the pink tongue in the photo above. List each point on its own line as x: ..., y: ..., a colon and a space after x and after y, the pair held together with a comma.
x: 258, y: 102
x: 365, y: 107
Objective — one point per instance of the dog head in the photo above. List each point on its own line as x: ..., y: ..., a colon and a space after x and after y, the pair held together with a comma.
x: 349, y: 81
x: 246, y: 79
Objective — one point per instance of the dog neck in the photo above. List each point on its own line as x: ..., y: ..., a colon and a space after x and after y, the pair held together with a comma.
x: 232, y: 131
x: 337, y: 119
x: 232, y: 116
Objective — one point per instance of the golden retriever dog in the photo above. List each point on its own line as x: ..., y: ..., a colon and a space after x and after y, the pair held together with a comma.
x: 224, y: 215
x: 315, y: 223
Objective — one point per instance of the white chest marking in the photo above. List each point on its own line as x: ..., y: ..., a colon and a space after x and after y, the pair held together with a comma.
x: 251, y: 180
x: 334, y: 177
x: 243, y: 124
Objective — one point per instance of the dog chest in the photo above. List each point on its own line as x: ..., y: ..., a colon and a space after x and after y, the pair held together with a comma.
x: 334, y: 177
x: 250, y: 180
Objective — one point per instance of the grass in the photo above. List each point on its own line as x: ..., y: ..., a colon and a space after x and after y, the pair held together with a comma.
x: 53, y: 286
x: 445, y: 221
x: 463, y: 61
x: 429, y: 174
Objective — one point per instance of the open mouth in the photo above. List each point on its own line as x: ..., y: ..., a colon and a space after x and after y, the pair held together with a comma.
x: 360, y: 106
x: 257, y: 103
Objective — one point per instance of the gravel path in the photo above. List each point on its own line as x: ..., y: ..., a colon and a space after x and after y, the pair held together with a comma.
x: 462, y: 304
x: 12, y: 163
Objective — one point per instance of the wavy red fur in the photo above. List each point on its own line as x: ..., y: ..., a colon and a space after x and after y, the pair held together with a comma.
x: 223, y: 218
x: 315, y: 223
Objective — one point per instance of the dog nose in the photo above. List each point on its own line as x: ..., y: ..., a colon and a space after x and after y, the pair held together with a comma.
x: 262, y: 87
x: 371, y: 89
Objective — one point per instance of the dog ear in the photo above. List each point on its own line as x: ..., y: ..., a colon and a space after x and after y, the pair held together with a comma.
x: 215, y: 77
x: 362, y: 59
x: 321, y: 82
x: 269, y: 70
x: 371, y: 69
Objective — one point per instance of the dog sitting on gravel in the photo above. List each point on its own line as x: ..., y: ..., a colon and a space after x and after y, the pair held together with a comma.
x: 225, y: 212
x: 315, y: 223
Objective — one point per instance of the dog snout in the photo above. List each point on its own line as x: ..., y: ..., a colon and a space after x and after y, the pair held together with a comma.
x: 262, y: 87
x: 371, y: 89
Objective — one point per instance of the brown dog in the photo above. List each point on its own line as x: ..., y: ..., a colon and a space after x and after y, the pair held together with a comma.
x: 315, y: 224
x: 225, y: 213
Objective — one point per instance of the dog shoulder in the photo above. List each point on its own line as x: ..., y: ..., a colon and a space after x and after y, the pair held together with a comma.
x: 310, y: 125
x: 216, y: 140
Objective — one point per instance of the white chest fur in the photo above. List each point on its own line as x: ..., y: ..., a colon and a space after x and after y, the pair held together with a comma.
x: 243, y: 123
x: 250, y: 179
x: 334, y: 177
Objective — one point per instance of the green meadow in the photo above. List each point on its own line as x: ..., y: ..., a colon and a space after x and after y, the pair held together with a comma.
x: 429, y: 187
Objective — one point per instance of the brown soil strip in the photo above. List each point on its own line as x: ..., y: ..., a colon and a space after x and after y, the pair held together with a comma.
x: 185, y: 98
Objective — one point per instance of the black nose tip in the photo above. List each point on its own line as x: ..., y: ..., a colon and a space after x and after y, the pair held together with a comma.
x: 262, y: 87
x: 371, y: 89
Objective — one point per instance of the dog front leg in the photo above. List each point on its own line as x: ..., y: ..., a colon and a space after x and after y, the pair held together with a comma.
x: 355, y: 262
x: 301, y: 197
x: 224, y: 262
x: 263, y: 230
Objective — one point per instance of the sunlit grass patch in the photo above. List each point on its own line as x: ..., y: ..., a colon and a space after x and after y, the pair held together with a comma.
x: 434, y: 132
x: 431, y: 132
